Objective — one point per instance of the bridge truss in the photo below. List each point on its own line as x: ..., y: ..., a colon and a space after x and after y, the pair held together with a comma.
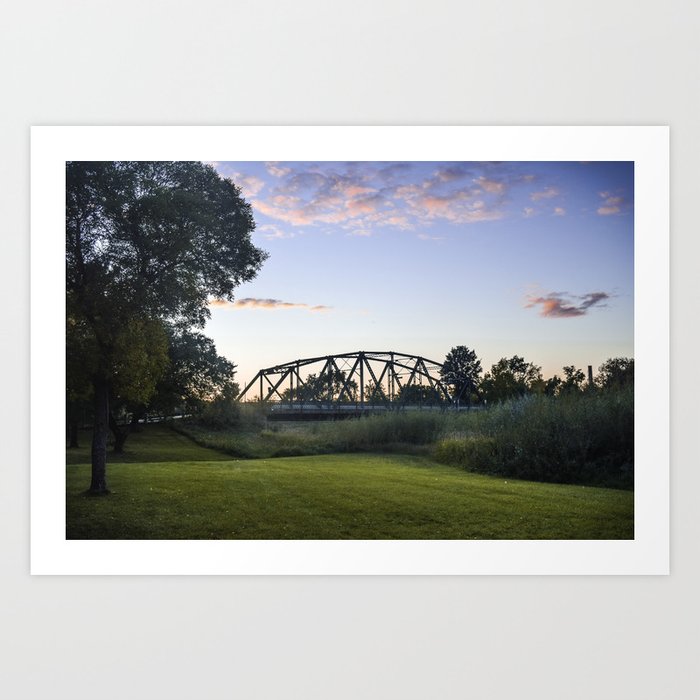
x: 361, y: 378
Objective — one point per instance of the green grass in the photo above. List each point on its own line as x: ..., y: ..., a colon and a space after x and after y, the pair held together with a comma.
x: 154, y: 443
x: 166, y: 487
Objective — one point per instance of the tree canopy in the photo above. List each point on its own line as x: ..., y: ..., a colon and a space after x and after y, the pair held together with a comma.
x: 615, y: 373
x: 197, y: 374
x: 146, y: 243
x: 510, y: 378
x: 461, y: 371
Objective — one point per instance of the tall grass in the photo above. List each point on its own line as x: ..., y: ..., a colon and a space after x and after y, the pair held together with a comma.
x: 587, y: 438
x: 388, y: 431
x: 570, y: 439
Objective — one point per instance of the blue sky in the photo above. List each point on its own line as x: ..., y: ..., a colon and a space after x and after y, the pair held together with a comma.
x: 527, y: 258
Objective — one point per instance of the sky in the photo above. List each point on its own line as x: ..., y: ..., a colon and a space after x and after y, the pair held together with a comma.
x: 534, y: 259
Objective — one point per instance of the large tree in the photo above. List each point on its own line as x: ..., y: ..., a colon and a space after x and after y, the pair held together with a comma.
x: 461, y: 371
x: 152, y: 241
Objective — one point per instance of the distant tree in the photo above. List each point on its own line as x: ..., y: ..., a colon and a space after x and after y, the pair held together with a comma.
x: 223, y: 410
x: 419, y: 394
x: 510, y: 378
x: 615, y: 373
x: 322, y: 387
x: 461, y: 370
x: 152, y: 241
x: 551, y: 386
x: 573, y: 380
x: 374, y: 393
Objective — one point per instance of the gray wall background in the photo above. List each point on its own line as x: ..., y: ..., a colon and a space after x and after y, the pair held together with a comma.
x: 360, y: 62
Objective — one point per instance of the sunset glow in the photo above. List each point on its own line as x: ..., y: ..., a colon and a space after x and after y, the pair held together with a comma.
x: 527, y: 258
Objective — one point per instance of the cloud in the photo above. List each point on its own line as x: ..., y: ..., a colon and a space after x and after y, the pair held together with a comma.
x: 253, y: 303
x: 365, y: 205
x: 360, y: 197
x: 277, y: 170
x: 491, y: 186
x: 564, y: 305
x: 270, y: 231
x: 546, y: 193
x: 459, y: 207
x: 250, y: 184
x: 456, y: 171
x: 316, y: 196
x: 612, y: 204
x: 391, y: 171
x: 352, y: 189
x: 528, y: 212
x: 559, y: 211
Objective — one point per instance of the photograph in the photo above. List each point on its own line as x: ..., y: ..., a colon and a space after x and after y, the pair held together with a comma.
x: 349, y: 349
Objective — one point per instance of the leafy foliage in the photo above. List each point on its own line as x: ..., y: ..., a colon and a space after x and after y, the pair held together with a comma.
x: 419, y: 395
x: 510, y: 378
x: 156, y: 237
x: 616, y: 372
x: 573, y: 380
x: 146, y: 243
x: 139, y: 359
x: 461, y: 370
x: 197, y: 374
x: 223, y: 411
x: 324, y: 387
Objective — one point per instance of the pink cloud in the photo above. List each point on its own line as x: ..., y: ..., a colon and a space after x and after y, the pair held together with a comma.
x: 353, y: 190
x: 491, y: 186
x: 274, y: 168
x: 612, y: 204
x: 253, y: 303
x: 546, y: 193
x: 249, y: 184
x: 270, y: 231
x: 366, y: 205
x: 562, y: 305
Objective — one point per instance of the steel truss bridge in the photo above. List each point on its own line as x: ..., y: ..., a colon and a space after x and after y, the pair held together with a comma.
x: 350, y: 381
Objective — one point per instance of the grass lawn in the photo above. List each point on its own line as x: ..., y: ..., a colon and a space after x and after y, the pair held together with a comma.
x: 166, y: 487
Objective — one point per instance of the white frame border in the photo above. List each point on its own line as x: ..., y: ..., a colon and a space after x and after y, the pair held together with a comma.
x: 648, y: 553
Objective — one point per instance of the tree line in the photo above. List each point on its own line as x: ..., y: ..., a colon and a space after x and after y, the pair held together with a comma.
x: 461, y: 372
x: 514, y: 377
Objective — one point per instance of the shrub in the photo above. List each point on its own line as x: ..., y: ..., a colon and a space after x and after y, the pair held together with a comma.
x: 222, y: 412
x: 587, y: 438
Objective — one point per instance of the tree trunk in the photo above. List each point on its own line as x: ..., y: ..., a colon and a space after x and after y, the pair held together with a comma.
x: 72, y: 424
x: 120, y: 434
x: 134, y: 426
x: 73, y: 433
x: 100, y: 431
